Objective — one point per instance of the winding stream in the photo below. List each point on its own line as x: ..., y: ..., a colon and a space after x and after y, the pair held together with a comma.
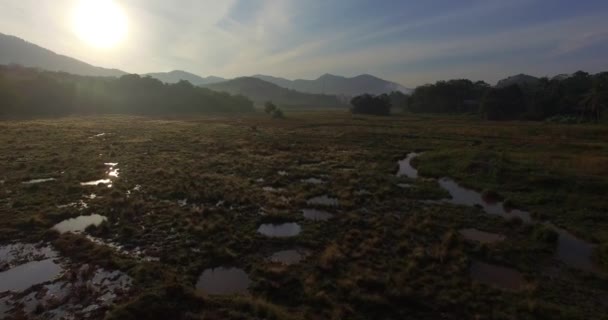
x: 571, y: 250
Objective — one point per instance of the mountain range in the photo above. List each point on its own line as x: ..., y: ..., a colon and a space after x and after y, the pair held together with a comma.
x: 178, y: 75
x: 260, y: 91
x: 332, y: 84
x: 14, y: 50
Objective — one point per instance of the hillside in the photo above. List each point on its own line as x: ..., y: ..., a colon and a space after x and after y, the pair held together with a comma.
x: 522, y: 80
x: 177, y: 75
x: 332, y: 84
x: 15, y: 50
x: 261, y: 91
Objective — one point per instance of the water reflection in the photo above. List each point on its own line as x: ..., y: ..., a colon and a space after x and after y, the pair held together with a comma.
x: 26, y: 275
x: 221, y: 281
x: 280, y: 230
x: 472, y: 198
x: 312, y: 181
x: 481, y: 236
x: 496, y: 276
x: 288, y: 257
x: 37, y: 181
x: 405, y: 166
x: 79, y: 224
x: 316, y: 215
x: 323, y: 200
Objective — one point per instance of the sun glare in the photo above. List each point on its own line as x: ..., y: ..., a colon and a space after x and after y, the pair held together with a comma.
x: 100, y: 23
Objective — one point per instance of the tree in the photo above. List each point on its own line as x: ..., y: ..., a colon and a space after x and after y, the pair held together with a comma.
x: 269, y: 107
x: 57, y: 94
x: 593, y: 102
x: 503, y: 103
x: 369, y: 104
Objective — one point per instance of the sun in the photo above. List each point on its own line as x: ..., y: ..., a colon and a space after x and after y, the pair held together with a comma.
x: 100, y: 23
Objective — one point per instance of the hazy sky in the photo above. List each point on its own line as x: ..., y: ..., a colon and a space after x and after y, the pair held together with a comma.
x: 409, y: 41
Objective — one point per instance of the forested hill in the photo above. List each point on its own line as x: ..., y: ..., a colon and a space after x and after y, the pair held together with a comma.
x: 15, y: 50
x: 30, y: 92
x: 261, y: 91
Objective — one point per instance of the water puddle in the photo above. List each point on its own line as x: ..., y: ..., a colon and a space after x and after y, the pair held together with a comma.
x: 222, y: 281
x: 404, y: 185
x: 99, y: 135
x: 481, y: 236
x: 405, y: 166
x: 316, y: 215
x: 37, y: 181
x: 362, y: 192
x: 323, y: 200
x: 574, y: 252
x: 113, y: 172
x: 107, y: 182
x: 28, y: 274
x: 272, y: 189
x: 12, y: 255
x: 283, y: 230
x: 312, y: 181
x: 182, y: 203
x: 496, y: 276
x: 80, y: 223
x: 136, y: 253
x: 288, y: 257
x: 83, y: 293
x: 80, y: 205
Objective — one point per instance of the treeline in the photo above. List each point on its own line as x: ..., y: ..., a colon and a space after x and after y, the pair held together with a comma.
x: 579, y: 95
x: 31, y: 92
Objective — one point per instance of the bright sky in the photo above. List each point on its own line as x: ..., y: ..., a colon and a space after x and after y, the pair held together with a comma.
x: 409, y: 41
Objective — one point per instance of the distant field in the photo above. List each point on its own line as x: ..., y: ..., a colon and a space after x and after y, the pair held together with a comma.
x: 191, y: 194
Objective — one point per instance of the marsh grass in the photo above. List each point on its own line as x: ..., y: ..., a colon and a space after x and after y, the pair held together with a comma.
x: 384, y: 254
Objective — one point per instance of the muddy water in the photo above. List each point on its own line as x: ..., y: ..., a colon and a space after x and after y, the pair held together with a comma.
x: 571, y: 250
x: 26, y: 275
x: 497, y: 276
x: 222, y: 281
x: 323, y: 200
x: 316, y: 215
x: 288, y: 257
x: 283, y: 230
x: 79, y: 224
x: 481, y: 236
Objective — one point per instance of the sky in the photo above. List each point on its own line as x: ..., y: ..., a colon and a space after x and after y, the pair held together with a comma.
x: 411, y: 42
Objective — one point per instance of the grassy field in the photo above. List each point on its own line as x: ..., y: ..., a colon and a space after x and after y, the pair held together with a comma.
x: 387, y: 253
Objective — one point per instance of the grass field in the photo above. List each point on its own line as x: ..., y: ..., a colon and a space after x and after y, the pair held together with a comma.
x: 191, y: 194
